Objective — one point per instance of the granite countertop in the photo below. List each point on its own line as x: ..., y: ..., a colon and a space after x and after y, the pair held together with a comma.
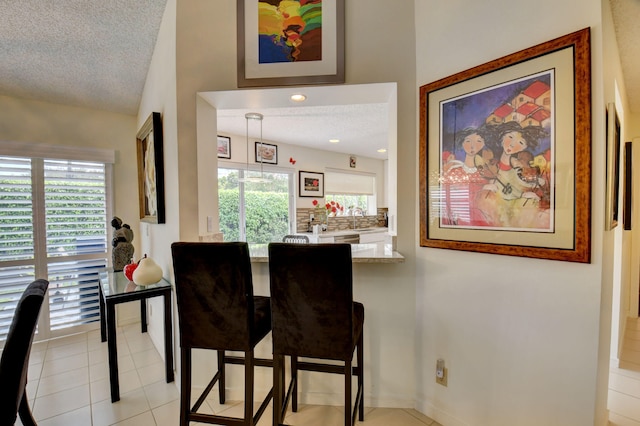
x: 360, y: 253
x: 370, y: 230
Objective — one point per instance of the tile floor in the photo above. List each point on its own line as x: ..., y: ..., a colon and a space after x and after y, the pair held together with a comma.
x: 68, y: 385
x: 624, y: 380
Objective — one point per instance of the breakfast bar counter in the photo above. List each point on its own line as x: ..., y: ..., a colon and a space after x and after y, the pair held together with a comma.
x: 360, y: 253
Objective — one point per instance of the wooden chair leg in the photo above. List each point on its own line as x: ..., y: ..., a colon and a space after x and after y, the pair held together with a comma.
x: 221, y: 378
x: 185, y: 386
x: 25, y: 412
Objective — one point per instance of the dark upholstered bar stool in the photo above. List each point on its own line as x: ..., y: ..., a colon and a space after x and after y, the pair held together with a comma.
x: 314, y: 316
x: 15, y: 356
x: 217, y: 310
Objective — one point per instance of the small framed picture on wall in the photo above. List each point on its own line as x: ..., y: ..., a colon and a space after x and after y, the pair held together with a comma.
x: 224, y: 147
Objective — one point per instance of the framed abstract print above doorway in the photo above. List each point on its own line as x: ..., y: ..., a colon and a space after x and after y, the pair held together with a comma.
x: 284, y: 43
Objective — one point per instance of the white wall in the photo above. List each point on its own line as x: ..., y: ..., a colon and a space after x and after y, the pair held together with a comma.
x: 45, y: 123
x: 521, y: 337
x: 159, y: 95
x: 205, y: 61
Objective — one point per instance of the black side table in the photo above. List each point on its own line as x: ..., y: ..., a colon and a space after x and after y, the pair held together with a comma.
x: 116, y: 288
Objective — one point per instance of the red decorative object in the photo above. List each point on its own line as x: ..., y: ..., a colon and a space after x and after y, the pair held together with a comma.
x: 129, y: 269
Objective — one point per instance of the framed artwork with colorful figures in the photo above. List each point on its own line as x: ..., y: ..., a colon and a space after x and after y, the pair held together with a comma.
x: 283, y: 42
x: 505, y: 155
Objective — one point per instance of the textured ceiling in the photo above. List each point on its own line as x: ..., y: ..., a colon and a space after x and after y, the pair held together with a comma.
x: 96, y: 53
x: 91, y: 53
x: 626, y: 14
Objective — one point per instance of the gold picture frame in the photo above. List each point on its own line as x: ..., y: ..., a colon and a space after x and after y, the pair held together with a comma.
x: 476, y: 194
x: 149, y: 143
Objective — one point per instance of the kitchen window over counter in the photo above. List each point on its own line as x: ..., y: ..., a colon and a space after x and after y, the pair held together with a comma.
x: 255, y: 212
x: 353, y: 191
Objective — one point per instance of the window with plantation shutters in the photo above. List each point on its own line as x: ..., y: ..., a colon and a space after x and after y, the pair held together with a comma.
x: 53, y: 225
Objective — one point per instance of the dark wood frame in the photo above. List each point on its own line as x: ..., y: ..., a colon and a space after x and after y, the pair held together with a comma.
x: 303, y: 192
x: 290, y: 76
x: 579, y: 249
x: 224, y: 140
x: 613, y: 168
x: 628, y: 186
x: 151, y: 130
x: 258, y: 157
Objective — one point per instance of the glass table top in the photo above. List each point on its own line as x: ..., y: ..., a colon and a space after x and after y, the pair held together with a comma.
x: 115, y: 284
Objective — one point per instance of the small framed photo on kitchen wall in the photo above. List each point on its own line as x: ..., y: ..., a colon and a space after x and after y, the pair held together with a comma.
x: 311, y: 184
x: 266, y: 153
x: 224, y: 147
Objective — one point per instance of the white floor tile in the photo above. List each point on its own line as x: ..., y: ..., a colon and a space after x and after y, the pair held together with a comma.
x: 62, y: 365
x: 63, y: 381
x: 168, y: 414
x: 144, y: 419
x: 61, y: 402
x: 131, y: 404
x: 161, y: 393
x: 81, y: 416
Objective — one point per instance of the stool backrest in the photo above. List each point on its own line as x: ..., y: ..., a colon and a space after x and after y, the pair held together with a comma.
x: 311, y: 300
x: 15, y: 355
x: 214, y: 291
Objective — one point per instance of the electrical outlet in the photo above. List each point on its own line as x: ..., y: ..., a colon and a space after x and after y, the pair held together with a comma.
x: 441, y: 373
x: 311, y: 217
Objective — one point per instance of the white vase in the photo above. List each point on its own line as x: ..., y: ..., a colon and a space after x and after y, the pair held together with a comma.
x: 148, y: 272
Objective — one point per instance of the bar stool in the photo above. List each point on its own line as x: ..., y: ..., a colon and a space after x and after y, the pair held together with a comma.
x: 217, y: 310
x: 314, y: 316
x: 14, y: 363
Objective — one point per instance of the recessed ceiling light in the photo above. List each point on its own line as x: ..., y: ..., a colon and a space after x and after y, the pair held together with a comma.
x: 382, y: 150
x: 298, y: 97
x: 334, y: 140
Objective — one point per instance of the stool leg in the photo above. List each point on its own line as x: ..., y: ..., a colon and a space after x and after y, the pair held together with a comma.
x: 278, y: 389
x: 185, y: 386
x: 248, y: 388
x: 221, y: 379
x: 294, y: 378
x: 361, y: 374
x: 347, y: 393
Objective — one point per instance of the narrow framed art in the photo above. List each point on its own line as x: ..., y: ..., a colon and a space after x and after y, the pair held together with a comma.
x: 628, y: 185
x: 505, y: 155
x: 151, y: 170
x: 224, y: 147
x: 613, y: 168
x: 283, y: 43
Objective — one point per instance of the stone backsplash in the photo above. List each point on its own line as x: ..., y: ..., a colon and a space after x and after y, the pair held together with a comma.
x: 339, y: 223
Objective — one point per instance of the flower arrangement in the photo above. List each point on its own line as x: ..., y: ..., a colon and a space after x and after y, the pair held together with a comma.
x: 331, y: 208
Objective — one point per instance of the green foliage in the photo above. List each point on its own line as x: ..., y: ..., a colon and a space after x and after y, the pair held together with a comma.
x: 267, y: 215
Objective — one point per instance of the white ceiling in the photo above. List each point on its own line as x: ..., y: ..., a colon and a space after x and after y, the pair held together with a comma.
x: 359, y: 116
x: 96, y: 54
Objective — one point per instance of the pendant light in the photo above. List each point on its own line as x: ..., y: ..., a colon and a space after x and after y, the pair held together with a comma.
x: 254, y: 116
